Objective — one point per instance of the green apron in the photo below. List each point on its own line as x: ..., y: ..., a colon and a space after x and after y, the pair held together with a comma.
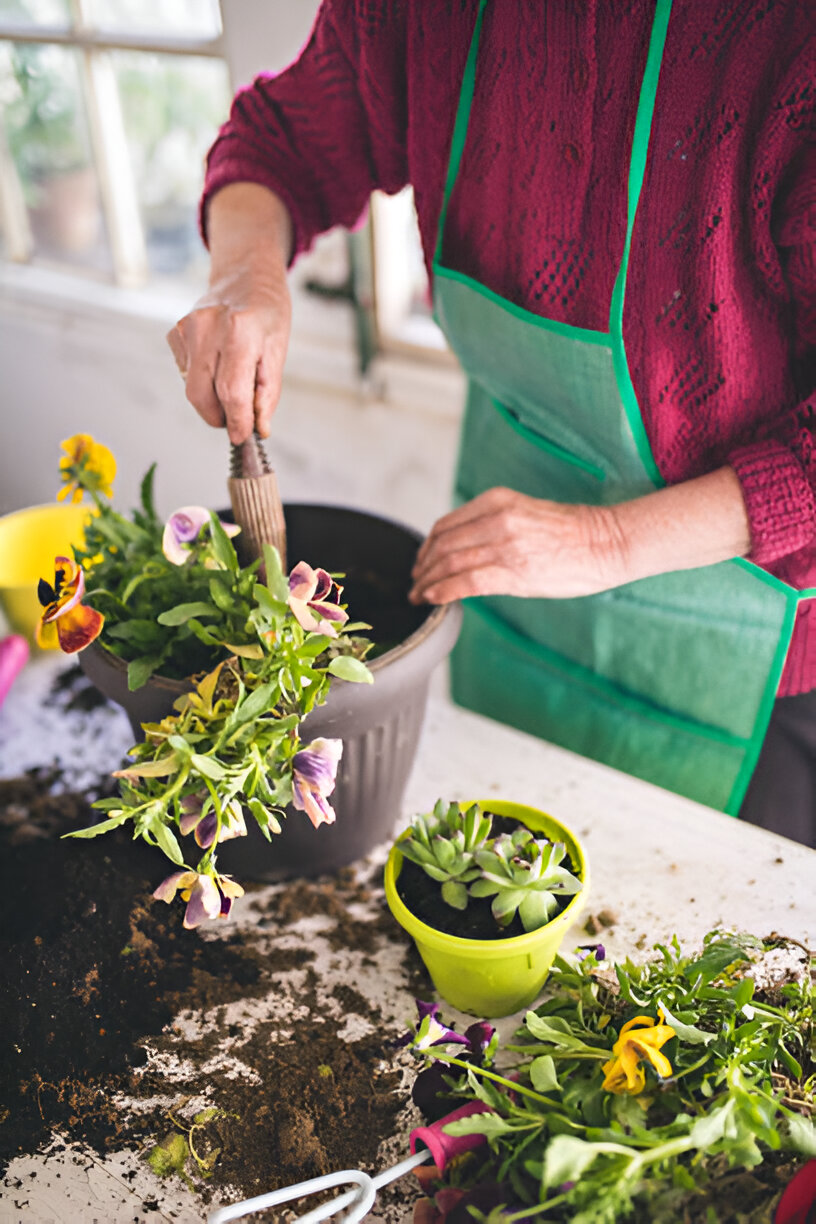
x: 670, y: 678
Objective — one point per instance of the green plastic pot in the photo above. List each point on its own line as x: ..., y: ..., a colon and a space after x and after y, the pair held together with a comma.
x: 490, y: 978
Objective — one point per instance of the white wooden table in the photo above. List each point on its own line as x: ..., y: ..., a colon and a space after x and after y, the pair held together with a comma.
x: 660, y: 864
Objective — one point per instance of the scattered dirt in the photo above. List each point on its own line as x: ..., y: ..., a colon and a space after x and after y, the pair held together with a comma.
x: 94, y: 974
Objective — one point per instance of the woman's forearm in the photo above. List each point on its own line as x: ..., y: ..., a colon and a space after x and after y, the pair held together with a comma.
x: 231, y: 346
x: 683, y: 526
x: 247, y: 225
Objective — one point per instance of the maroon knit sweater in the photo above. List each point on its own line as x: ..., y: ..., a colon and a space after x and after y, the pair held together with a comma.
x: 720, y: 313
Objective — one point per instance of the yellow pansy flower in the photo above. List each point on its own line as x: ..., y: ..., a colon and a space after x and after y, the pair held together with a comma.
x: 86, y: 464
x: 640, y: 1038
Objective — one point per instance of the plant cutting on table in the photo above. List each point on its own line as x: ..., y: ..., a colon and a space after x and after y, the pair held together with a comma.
x: 172, y: 597
x: 632, y: 1089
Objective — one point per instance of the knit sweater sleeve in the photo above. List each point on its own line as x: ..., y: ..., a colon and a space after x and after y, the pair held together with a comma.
x: 329, y: 129
x: 778, y: 469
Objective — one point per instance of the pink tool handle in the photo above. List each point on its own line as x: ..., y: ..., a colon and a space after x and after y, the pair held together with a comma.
x: 444, y: 1147
x: 13, y: 656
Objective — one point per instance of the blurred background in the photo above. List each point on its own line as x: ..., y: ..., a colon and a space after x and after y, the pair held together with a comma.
x: 107, y: 108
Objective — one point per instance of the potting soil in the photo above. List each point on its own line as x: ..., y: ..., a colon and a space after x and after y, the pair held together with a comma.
x: 126, y: 1030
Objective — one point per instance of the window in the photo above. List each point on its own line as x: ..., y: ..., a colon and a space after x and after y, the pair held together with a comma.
x: 401, y: 291
x: 108, y: 107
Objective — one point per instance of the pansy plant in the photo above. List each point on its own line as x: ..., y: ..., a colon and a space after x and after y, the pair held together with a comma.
x: 628, y: 1093
x: 260, y: 655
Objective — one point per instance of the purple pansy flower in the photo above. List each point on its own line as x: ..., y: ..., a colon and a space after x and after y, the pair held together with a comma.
x: 207, y: 896
x: 596, y: 950
x: 183, y: 529
x: 314, y: 770
x: 430, y: 1030
x: 309, y: 591
x: 204, y: 826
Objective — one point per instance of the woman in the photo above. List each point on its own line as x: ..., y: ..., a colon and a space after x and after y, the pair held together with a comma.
x: 618, y: 208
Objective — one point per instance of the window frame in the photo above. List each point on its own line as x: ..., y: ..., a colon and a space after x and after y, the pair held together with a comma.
x: 408, y: 374
x: 106, y: 127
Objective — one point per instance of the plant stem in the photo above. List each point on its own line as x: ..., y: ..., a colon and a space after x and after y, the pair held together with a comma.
x: 511, y: 1085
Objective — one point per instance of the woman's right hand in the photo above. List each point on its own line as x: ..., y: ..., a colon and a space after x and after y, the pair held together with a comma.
x: 231, y: 347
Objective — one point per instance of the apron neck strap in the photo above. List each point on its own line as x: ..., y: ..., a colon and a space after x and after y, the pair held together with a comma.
x: 640, y: 143
x: 640, y: 149
x: 460, y: 126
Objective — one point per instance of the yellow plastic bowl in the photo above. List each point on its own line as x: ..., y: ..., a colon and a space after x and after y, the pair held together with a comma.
x: 29, y: 541
x: 490, y: 978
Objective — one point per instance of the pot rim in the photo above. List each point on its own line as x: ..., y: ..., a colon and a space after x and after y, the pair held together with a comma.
x: 492, y: 949
x: 415, y: 639
x: 432, y: 621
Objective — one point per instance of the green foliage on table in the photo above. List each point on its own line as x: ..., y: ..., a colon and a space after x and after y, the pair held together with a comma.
x: 739, y: 1088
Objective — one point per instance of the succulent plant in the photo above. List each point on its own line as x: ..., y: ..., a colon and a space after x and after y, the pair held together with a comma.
x: 444, y: 843
x: 523, y: 874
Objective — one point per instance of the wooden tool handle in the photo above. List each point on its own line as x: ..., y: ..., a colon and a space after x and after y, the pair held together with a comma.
x: 256, y: 502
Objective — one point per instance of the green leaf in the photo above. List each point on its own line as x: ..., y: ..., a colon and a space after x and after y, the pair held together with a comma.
x: 267, y: 821
x: 551, y: 1034
x: 567, y: 1157
x: 104, y: 826
x: 143, y: 633
x: 711, y: 1127
x: 140, y: 670
x: 256, y: 703
x: 181, y: 613
x: 146, y: 492
x: 686, y: 1032
x: 223, y: 548
x: 543, y: 1075
x: 207, y: 766
x: 802, y: 1134
x: 719, y: 954
x: 166, y: 840
x: 488, y: 1124
x: 169, y: 1156
x: 455, y: 894
x: 275, y: 608
x: 347, y: 668
x: 276, y: 580
x: 161, y: 768
x: 221, y: 595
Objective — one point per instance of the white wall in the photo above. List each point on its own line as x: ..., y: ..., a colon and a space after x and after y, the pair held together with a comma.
x: 66, y: 368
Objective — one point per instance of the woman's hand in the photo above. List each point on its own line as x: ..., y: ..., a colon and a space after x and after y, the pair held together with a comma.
x: 505, y: 543
x: 231, y: 347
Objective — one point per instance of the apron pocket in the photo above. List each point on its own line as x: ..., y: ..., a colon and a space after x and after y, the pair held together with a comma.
x: 503, y: 674
x: 510, y: 416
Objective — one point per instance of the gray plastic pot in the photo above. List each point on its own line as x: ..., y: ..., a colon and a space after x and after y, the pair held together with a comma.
x: 379, y: 723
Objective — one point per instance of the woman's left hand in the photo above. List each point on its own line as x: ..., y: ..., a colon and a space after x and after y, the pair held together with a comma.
x: 505, y: 543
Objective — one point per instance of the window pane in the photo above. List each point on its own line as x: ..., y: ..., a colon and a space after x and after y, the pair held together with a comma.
x: 172, y: 106
x: 36, y: 12
x: 47, y: 133
x: 193, y: 18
